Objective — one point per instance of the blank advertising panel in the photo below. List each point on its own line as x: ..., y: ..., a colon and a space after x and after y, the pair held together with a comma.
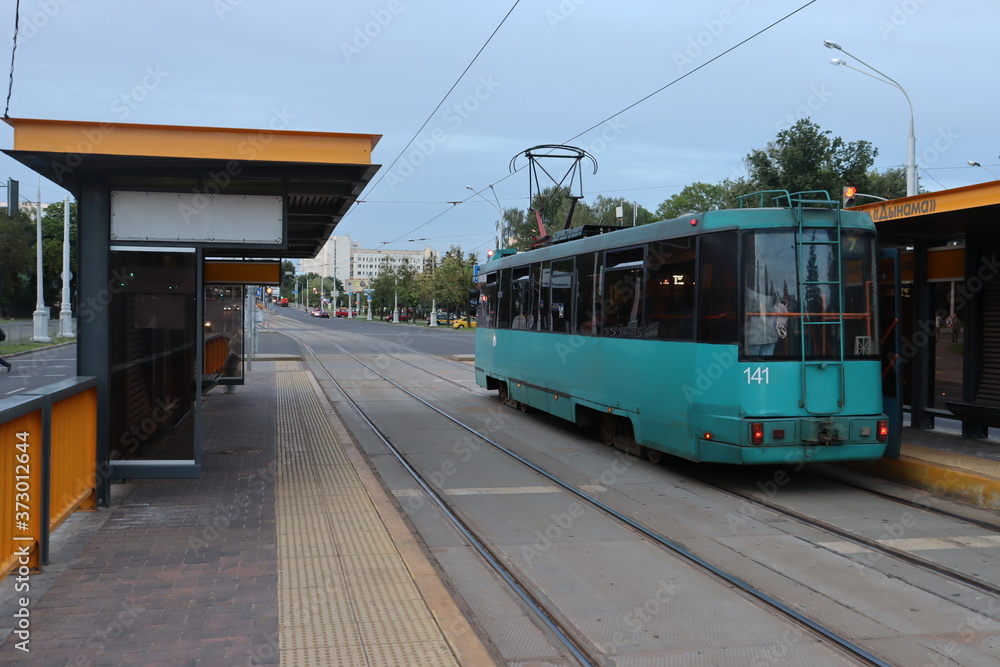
x: 196, y: 217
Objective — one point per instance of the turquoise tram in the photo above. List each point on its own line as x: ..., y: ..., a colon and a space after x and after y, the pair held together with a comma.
x: 744, y: 336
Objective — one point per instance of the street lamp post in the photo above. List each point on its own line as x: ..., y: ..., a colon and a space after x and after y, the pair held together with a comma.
x: 911, y: 143
x: 973, y: 163
x: 434, y: 313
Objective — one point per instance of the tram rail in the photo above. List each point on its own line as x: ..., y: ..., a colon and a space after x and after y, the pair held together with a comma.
x: 580, y: 649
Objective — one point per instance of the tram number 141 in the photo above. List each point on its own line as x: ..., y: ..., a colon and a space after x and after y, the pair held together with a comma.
x: 758, y: 375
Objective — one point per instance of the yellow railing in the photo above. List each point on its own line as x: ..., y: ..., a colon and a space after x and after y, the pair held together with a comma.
x: 48, y: 445
x: 74, y: 456
x: 21, y: 449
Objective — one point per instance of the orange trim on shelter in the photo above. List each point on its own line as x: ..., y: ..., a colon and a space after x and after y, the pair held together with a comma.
x: 215, y: 143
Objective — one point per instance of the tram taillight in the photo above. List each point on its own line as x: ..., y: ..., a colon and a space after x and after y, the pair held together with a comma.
x: 757, y: 433
x: 882, y: 433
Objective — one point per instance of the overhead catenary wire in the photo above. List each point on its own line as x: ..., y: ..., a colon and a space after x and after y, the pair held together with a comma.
x: 614, y: 115
x: 13, y: 50
x: 445, y: 97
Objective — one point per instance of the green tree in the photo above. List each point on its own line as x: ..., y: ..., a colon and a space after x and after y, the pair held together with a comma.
x: 17, y: 248
x: 804, y: 157
x: 455, y: 280
x: 695, y: 198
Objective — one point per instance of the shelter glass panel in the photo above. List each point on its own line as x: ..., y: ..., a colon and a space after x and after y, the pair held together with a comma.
x: 949, y: 348
x: 153, y: 384
x: 223, y: 322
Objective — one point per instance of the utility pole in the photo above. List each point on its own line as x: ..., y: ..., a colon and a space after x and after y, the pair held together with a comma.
x: 40, y: 316
x: 66, y: 313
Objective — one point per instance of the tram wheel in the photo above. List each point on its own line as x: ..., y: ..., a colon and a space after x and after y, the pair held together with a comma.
x: 523, y: 407
x: 654, y: 456
x: 503, y: 393
x: 609, y: 429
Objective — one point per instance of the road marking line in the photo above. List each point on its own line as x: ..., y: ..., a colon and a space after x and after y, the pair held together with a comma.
x: 919, y: 544
x: 492, y: 490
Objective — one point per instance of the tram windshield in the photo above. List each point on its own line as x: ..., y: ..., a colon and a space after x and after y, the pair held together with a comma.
x: 810, y: 296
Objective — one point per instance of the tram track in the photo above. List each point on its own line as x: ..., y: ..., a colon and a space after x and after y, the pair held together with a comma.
x: 581, y: 650
x: 866, y: 542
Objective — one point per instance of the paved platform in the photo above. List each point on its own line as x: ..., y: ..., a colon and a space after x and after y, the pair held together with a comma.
x: 288, y: 551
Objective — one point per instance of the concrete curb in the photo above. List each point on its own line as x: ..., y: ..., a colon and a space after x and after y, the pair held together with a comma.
x: 941, y: 480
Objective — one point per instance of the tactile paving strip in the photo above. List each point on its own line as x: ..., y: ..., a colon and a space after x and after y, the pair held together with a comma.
x: 345, y: 595
x: 979, y: 466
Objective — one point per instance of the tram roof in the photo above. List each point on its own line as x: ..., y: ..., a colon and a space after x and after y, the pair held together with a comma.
x: 320, y: 173
x: 938, y: 216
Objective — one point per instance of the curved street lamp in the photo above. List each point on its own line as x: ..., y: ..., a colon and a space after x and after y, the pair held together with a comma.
x: 973, y: 163
x: 911, y: 143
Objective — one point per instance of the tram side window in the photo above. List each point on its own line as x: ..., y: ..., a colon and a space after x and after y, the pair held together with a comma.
x: 717, y: 307
x: 487, y: 314
x: 503, y: 300
x: 562, y: 295
x: 861, y: 338
x: 539, y: 299
x: 622, y: 299
x: 670, y: 290
x: 520, y: 298
x: 586, y: 305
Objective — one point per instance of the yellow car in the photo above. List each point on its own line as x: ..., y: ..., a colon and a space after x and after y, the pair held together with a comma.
x: 463, y: 322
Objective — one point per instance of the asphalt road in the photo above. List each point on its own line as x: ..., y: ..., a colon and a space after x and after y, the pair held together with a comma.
x: 440, y: 341
x: 37, y: 369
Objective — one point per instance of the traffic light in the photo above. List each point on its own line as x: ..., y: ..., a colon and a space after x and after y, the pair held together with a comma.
x: 269, y: 291
x: 849, y: 192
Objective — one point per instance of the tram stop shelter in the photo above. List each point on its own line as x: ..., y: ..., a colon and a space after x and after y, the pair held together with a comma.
x: 940, y: 304
x: 175, y: 225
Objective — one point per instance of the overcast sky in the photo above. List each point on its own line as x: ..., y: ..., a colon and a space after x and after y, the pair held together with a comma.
x: 553, y: 70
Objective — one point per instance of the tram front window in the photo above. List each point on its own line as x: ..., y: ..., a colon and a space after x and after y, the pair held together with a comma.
x: 799, y: 301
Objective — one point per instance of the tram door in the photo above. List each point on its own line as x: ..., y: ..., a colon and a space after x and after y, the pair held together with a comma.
x: 890, y: 310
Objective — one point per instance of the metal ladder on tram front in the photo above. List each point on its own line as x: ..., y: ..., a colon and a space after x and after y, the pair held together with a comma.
x: 803, y: 245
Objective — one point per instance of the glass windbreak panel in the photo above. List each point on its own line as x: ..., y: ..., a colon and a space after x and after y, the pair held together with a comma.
x: 153, y: 322
x: 587, y: 276
x: 670, y: 290
x: 622, y: 297
x: 561, y: 280
x: 486, y: 314
x: 520, y: 298
x: 717, y: 293
x: 223, y: 324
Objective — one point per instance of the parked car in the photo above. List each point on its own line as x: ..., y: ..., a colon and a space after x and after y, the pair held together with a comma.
x: 403, y: 317
x: 342, y: 312
x: 463, y: 322
x: 320, y: 313
x: 443, y: 318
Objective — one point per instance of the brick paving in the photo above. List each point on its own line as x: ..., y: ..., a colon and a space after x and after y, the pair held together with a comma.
x: 179, y: 572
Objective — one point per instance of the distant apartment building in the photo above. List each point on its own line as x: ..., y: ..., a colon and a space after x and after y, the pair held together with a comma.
x: 345, y: 260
